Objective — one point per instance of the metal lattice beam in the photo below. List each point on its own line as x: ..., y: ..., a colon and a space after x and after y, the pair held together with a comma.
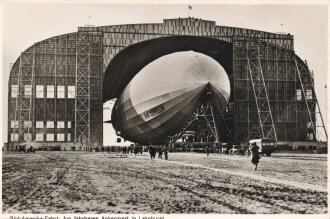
x: 310, y: 100
x: 255, y: 71
x: 206, y: 112
x: 82, y: 99
x: 24, y: 100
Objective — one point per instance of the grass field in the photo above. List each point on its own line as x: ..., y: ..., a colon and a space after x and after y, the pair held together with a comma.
x: 79, y: 182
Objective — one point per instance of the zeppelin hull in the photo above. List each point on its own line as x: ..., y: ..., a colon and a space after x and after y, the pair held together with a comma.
x: 162, y: 96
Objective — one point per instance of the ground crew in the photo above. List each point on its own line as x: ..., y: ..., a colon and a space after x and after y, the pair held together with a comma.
x: 152, y: 151
x: 165, y: 150
x: 136, y: 150
x: 255, y: 155
x: 207, y: 150
x: 160, y: 152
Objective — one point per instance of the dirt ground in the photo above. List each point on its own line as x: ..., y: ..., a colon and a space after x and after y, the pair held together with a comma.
x: 79, y: 182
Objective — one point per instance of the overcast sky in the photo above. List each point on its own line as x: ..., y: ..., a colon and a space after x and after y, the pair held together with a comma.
x: 24, y: 24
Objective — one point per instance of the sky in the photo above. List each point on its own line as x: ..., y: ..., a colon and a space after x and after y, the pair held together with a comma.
x: 24, y: 24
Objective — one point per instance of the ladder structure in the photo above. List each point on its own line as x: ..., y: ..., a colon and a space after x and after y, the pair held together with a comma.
x: 24, y: 100
x: 309, y: 97
x: 82, y: 99
x: 209, y: 117
x: 260, y: 92
x: 224, y: 120
x: 206, y: 112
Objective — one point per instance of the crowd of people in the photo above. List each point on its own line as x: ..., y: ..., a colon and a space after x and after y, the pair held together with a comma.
x: 153, y: 150
x: 135, y: 149
x: 163, y: 150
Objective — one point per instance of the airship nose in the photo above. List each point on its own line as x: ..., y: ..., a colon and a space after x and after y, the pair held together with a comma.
x: 164, y: 94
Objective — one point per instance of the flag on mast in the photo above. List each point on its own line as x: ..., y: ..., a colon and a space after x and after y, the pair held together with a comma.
x: 189, y: 8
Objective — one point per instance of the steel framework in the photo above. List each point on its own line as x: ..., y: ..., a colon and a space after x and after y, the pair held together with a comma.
x: 309, y: 97
x: 82, y: 100
x: 225, y: 119
x: 260, y: 92
x: 206, y: 112
x: 24, y: 100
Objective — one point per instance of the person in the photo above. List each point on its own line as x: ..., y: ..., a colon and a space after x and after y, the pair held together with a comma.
x: 248, y: 152
x: 136, y: 150
x: 207, y: 150
x: 255, y: 155
x: 160, y: 153
x: 165, y: 150
x: 152, y: 151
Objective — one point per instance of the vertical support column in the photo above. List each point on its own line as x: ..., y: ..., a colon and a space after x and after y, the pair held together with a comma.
x: 260, y: 91
x: 96, y: 115
x: 24, y: 101
x: 65, y: 89
x: 210, y: 120
x: 309, y: 97
x: 45, y: 91
x: 82, y: 99
x: 296, y: 99
x: 55, y: 89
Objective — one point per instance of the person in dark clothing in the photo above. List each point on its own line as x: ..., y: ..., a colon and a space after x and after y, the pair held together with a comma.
x: 207, y: 150
x: 152, y: 151
x: 255, y: 155
x: 160, y: 153
x: 136, y: 150
x: 165, y: 150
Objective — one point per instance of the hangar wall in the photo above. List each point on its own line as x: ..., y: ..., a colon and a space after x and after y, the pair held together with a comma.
x: 66, y: 77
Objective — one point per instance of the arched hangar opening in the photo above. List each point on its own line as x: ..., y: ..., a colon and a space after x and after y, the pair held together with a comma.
x: 126, y: 64
x: 134, y: 58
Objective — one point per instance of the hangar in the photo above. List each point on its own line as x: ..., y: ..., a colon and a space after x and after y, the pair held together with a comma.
x: 57, y: 86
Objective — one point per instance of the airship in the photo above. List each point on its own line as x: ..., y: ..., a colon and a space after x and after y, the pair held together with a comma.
x: 162, y: 96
